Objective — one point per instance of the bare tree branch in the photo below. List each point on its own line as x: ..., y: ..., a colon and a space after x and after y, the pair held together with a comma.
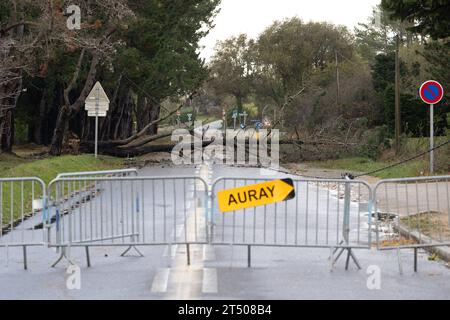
x: 74, y: 80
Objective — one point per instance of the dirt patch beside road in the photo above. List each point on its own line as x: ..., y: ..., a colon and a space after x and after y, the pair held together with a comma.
x: 313, y: 172
x: 358, y: 194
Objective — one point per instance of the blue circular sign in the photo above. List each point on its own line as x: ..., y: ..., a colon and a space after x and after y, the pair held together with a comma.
x: 431, y: 92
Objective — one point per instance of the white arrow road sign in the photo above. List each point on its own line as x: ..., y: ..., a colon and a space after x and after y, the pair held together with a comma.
x: 100, y: 114
x: 93, y: 107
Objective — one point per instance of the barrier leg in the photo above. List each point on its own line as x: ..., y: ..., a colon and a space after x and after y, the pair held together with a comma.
x: 339, y: 255
x: 331, y: 258
x: 25, y: 266
x: 337, y: 249
x: 188, y: 254
x: 346, y: 228
x: 347, y: 262
x: 400, y: 267
x: 140, y: 255
x: 62, y: 256
x: 415, y: 259
x: 351, y: 255
x: 355, y: 260
x: 88, y: 258
x: 249, y: 256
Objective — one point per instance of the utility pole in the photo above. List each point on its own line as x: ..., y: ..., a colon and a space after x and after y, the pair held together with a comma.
x: 398, y: 124
x: 338, y: 84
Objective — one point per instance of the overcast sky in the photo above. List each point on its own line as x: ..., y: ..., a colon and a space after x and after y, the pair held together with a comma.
x: 253, y: 16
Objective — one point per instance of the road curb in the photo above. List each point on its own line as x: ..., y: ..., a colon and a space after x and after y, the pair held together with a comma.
x: 443, y: 252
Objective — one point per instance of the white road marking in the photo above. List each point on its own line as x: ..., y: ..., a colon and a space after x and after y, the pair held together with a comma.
x: 209, y: 253
x: 173, y: 251
x: 209, y: 281
x: 161, y: 281
x: 174, y: 248
x: 189, y: 282
x: 180, y: 230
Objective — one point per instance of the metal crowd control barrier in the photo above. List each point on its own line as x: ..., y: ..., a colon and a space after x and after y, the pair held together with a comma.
x: 92, y: 187
x: 22, y: 203
x: 412, y: 213
x: 126, y: 212
x: 108, y: 173
x: 322, y: 215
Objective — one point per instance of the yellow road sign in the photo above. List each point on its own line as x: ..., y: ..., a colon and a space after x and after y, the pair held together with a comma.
x: 256, y: 195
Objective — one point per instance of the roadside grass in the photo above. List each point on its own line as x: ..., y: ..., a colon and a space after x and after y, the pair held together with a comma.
x: 9, y: 161
x: 363, y: 165
x: 416, y: 145
x: 48, y: 168
x: 12, y: 193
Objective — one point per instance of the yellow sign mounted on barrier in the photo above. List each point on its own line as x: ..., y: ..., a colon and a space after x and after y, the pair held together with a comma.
x: 256, y: 195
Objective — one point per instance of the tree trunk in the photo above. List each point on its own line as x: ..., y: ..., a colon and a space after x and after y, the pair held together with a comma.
x: 123, y: 127
x: 70, y: 110
x: 7, y: 131
x: 37, y: 123
x: 141, y: 150
x: 142, y: 110
x: 147, y: 112
x: 154, y: 115
x: 107, y: 125
x: 9, y: 95
x: 62, y: 123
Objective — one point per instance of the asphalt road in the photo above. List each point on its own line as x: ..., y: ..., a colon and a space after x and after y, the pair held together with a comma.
x: 216, y: 272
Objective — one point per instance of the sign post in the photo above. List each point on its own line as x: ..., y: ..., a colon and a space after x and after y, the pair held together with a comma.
x: 431, y: 92
x: 224, y: 113
x: 431, y: 138
x: 97, y: 105
x: 235, y: 115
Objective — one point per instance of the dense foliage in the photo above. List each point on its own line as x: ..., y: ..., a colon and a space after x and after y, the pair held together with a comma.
x: 346, y: 79
x: 428, y: 16
x: 143, y: 52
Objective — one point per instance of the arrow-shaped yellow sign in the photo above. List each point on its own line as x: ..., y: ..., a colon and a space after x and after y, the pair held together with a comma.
x: 256, y: 195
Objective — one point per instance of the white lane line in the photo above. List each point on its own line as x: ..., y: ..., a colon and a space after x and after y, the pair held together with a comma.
x: 173, y: 251
x: 209, y: 281
x: 174, y: 248
x: 189, y: 282
x: 161, y: 281
x: 180, y: 229
x: 209, y: 253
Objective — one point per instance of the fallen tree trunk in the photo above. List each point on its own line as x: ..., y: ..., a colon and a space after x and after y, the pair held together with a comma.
x: 142, y: 150
x: 142, y: 133
x: 132, y: 144
x: 143, y: 146
x: 133, y: 151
